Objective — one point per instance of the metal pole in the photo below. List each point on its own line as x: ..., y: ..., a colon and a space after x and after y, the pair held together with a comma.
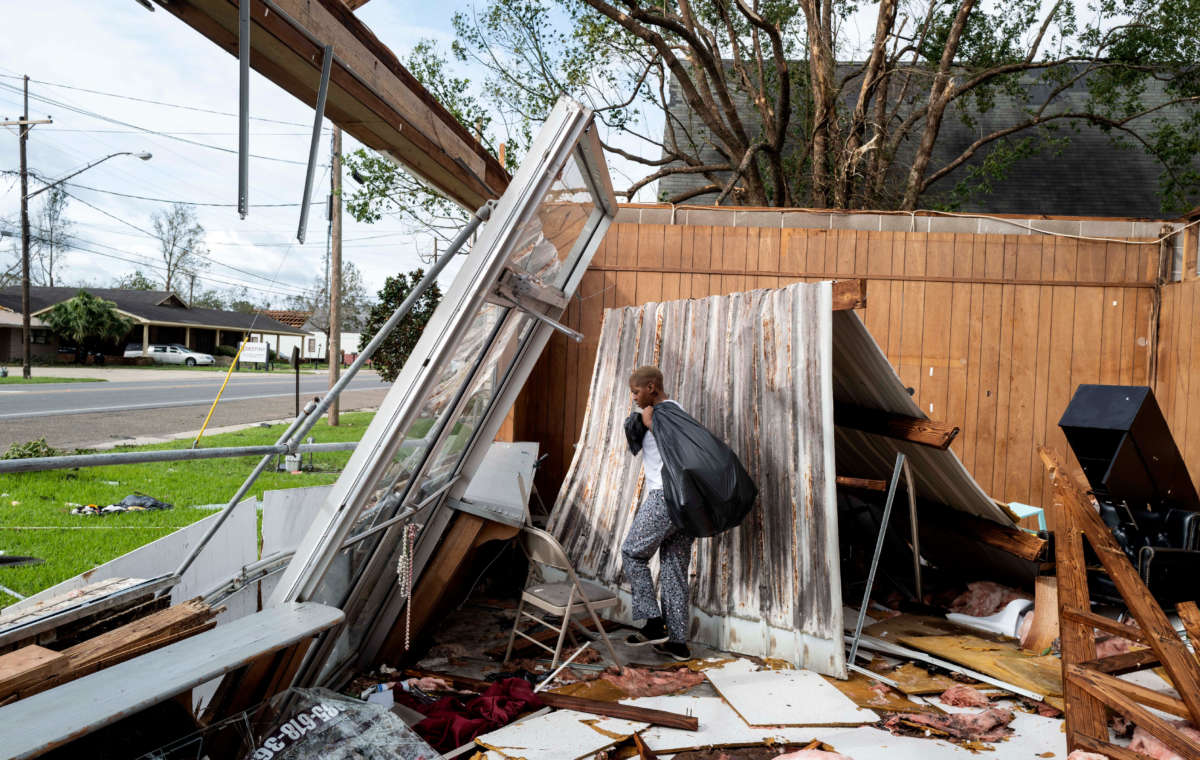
x: 326, y: 63
x: 26, y: 330
x: 107, y: 459
x: 335, y: 272
x: 243, y: 106
x: 481, y: 215
x: 915, y: 537
x: 237, y: 497
x: 883, y: 524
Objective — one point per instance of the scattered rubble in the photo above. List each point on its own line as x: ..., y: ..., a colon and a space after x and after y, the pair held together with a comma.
x: 990, y: 725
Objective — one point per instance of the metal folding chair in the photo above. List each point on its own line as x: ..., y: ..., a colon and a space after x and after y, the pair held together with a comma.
x: 564, y: 599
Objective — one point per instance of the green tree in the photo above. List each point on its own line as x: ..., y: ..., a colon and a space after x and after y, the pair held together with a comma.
x: 827, y: 134
x: 87, y: 322
x: 135, y: 280
x: 394, y: 351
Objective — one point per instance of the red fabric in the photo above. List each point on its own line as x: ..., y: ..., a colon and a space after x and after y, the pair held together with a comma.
x: 450, y: 722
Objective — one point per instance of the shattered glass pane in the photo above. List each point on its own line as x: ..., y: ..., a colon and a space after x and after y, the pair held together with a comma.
x: 546, y: 242
x: 304, y: 724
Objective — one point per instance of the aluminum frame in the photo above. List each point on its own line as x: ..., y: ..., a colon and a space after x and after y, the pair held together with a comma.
x: 568, y: 135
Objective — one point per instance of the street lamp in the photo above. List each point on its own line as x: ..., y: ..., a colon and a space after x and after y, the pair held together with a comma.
x: 26, y: 331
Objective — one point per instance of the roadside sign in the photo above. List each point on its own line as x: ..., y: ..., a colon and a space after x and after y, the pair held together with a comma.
x: 254, y: 352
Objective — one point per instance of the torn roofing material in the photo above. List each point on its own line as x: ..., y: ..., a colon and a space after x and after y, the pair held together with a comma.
x: 433, y: 429
x: 863, y: 376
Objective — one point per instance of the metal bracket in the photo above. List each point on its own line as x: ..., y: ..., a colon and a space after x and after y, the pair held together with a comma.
x: 318, y: 117
x: 520, y: 291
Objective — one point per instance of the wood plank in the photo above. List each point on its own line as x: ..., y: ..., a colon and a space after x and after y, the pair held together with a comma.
x: 32, y: 726
x: 1108, y: 625
x: 879, y: 261
x: 1085, y: 716
x: 935, y: 333
x: 1100, y: 687
x: 999, y: 486
x: 1189, y: 615
x: 1044, y: 628
x: 990, y: 352
x: 859, y: 690
x: 1180, y: 664
x: 943, y: 523
x: 937, y: 435
x: 1107, y: 749
x: 622, y: 711
x: 1144, y: 695
x: 1125, y: 662
x: 1002, y: 660
x: 849, y: 294
x: 27, y: 666
x: 1019, y: 436
x: 909, y: 363
x: 863, y: 483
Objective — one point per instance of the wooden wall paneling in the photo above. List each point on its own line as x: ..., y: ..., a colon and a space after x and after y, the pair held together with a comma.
x: 1004, y: 372
x: 896, y: 296
x: 1042, y: 379
x: 815, y: 244
x: 913, y: 327
x: 1023, y: 364
x: 973, y: 379
x: 1062, y: 328
x: 845, y: 256
x: 701, y: 260
x: 1148, y: 264
x: 650, y: 256
x: 1113, y: 305
x: 672, y: 259
x: 936, y: 327
x: 991, y: 350
x: 878, y: 260
x: 959, y: 343
x: 1129, y: 316
x: 625, y: 292
x: 1188, y: 433
x: 769, y: 240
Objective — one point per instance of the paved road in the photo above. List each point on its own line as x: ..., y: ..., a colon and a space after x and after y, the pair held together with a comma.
x: 90, y: 414
x: 57, y: 399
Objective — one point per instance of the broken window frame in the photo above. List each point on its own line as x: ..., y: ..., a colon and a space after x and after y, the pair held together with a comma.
x: 568, y: 135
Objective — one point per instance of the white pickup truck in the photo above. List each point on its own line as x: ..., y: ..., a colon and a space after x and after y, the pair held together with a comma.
x: 170, y: 354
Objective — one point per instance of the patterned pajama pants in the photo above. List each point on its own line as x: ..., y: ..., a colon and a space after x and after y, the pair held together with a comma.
x: 652, y: 531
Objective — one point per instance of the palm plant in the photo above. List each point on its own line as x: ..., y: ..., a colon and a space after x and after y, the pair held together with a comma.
x: 87, y: 322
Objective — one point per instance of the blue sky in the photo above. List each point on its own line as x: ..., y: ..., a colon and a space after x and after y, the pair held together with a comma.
x: 119, y: 47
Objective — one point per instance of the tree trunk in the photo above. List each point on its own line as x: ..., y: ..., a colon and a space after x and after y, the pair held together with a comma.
x: 938, y: 101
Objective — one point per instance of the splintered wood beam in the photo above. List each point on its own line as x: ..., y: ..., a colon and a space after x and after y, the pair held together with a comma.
x: 1107, y: 749
x: 28, y: 666
x: 1142, y: 694
x: 624, y: 712
x: 865, y: 484
x: 370, y: 94
x: 1125, y: 662
x: 1119, y: 698
x: 1108, y: 625
x: 1180, y: 664
x: 938, y: 520
x: 1085, y: 717
x: 355, y: 4
x: 1189, y: 615
x: 849, y: 294
x: 938, y: 435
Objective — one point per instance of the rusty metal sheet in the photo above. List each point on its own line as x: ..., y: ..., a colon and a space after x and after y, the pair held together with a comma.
x: 756, y: 369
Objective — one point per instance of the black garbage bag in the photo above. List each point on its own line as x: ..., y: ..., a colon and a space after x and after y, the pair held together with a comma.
x: 706, y: 488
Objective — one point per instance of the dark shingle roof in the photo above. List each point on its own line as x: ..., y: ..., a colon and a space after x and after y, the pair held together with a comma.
x: 157, y: 306
x: 1088, y: 176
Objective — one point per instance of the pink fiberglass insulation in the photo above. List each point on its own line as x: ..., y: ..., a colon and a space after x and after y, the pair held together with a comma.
x: 1147, y: 745
x: 1081, y: 755
x: 983, y: 598
x: 639, y: 682
x: 990, y: 725
x: 961, y: 695
x: 813, y: 754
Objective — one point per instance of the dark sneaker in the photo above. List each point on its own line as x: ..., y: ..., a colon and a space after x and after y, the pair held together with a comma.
x: 653, y: 632
x: 677, y: 650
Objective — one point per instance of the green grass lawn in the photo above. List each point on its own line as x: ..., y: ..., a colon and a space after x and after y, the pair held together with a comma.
x: 18, y: 380
x: 277, y: 368
x: 35, y: 507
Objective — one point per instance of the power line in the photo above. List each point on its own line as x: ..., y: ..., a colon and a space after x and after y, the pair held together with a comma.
x: 161, y: 200
x: 152, y: 236
x: 169, y: 136
x: 153, y: 102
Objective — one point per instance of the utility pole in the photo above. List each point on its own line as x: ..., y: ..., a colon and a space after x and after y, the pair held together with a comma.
x: 26, y: 331
x: 335, y: 271
x: 191, y: 288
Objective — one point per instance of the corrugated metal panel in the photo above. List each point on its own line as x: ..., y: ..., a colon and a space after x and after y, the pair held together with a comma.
x: 863, y: 376
x: 756, y: 369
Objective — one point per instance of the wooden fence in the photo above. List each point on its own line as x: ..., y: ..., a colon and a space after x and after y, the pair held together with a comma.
x: 993, y: 332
